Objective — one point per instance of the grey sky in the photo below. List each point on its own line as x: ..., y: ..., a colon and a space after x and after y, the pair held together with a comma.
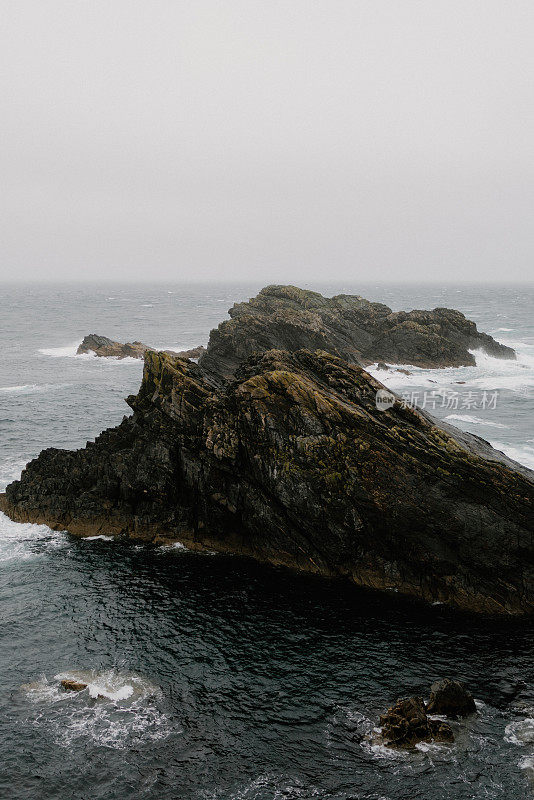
x: 187, y: 139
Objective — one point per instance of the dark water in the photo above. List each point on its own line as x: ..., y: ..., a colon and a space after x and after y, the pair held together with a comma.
x: 219, y: 678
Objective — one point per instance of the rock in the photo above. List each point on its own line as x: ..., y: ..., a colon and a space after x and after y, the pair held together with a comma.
x: 450, y: 698
x: 107, y: 348
x: 404, y: 371
x: 361, y: 332
x: 195, y: 352
x: 292, y: 463
x: 73, y: 686
x: 382, y: 366
x: 407, y: 723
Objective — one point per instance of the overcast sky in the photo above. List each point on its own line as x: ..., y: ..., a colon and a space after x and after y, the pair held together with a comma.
x: 302, y: 139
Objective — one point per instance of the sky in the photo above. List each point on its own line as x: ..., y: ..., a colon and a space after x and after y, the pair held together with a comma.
x: 281, y: 141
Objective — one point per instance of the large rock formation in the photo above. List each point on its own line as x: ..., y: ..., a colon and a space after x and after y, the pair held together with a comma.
x: 288, y: 318
x: 407, y: 723
x: 293, y: 463
x: 107, y: 348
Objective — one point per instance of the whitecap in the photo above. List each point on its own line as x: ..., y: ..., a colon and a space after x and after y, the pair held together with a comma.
x: 520, y: 732
x: 100, y: 536
x: 378, y: 749
x: 526, y: 763
x: 118, y: 709
x: 101, y: 692
x: 31, y: 388
x: 61, y: 352
x: 474, y: 420
x: 174, y: 546
x: 523, y: 455
x: 432, y: 747
x: 16, y: 389
x: 24, y: 541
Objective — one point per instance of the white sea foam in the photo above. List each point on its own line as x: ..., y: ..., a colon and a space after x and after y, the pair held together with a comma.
x: 523, y: 455
x: 474, y: 420
x: 70, y: 351
x: 527, y: 763
x: 30, y: 388
x: 118, y: 709
x: 24, y: 541
x: 61, y: 352
x: 276, y: 787
x: 174, y: 546
x: 100, y: 536
x: 432, y: 747
x: 98, y: 692
x: 17, y: 389
x: 520, y: 732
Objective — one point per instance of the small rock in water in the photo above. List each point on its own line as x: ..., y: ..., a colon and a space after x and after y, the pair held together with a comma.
x: 73, y: 686
x: 382, y: 365
x: 404, y: 371
x: 406, y: 723
x: 451, y: 698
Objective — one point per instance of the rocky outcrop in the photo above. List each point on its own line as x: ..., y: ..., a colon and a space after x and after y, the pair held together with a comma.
x: 407, y: 723
x: 361, y: 332
x: 107, y: 348
x: 292, y: 463
x: 73, y: 686
x: 451, y: 698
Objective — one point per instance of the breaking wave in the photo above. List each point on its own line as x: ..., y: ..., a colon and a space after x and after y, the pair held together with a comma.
x: 116, y: 710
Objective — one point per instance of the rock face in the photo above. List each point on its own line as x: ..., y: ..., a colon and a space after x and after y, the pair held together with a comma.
x: 292, y: 463
x: 107, y: 348
x: 451, y: 698
x: 73, y: 686
x: 406, y: 723
x: 361, y: 332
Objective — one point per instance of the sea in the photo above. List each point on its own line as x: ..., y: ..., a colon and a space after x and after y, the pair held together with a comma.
x: 213, y: 677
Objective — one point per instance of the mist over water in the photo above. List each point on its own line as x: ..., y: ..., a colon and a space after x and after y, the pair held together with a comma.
x: 214, y: 678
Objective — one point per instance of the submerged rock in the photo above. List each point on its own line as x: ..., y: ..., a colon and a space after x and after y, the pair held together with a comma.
x: 107, y: 348
x: 450, y: 698
x: 406, y: 723
x: 73, y: 686
x: 361, y: 332
x: 292, y: 463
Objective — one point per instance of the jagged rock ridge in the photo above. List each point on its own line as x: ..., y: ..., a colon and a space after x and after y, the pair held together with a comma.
x: 361, y: 332
x: 293, y: 464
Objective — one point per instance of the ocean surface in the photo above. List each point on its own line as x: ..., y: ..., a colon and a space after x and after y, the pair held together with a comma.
x: 214, y: 678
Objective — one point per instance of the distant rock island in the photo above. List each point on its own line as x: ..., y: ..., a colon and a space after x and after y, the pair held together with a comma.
x: 107, y: 348
x: 291, y: 462
x: 361, y: 332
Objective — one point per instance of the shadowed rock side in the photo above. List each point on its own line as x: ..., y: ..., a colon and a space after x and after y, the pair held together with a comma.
x: 293, y: 464
x: 107, y: 348
x: 361, y: 332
